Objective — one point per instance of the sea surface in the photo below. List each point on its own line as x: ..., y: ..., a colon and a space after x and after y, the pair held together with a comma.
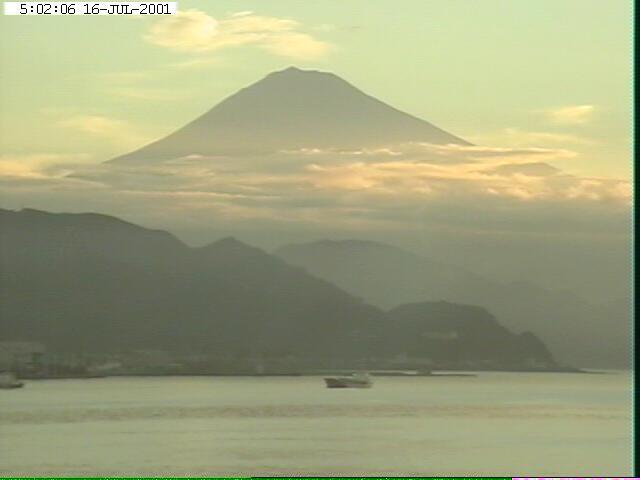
x: 510, y: 424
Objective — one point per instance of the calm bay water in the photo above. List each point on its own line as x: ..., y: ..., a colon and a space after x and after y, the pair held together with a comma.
x: 525, y: 424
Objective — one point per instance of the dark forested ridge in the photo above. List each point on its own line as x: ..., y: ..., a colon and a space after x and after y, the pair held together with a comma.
x: 88, y: 282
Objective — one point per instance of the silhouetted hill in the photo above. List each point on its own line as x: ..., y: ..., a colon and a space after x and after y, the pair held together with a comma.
x: 92, y: 283
x: 462, y: 335
x: 381, y: 274
x: 387, y: 276
x: 288, y: 110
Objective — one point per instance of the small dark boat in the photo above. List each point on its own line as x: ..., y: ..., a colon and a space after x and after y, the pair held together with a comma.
x: 357, y: 380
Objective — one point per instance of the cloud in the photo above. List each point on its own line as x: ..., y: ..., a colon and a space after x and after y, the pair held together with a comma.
x: 453, y: 187
x: 570, y: 115
x: 436, y: 153
x: 296, y: 45
x: 112, y: 130
x: 40, y: 165
x: 244, y: 13
x: 194, y: 31
x: 510, y: 181
x: 526, y: 169
x: 186, y: 30
x: 407, y: 173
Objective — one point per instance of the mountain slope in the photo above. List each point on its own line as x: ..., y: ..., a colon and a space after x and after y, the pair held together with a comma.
x: 288, y: 110
x: 387, y: 276
x: 95, y: 284
x: 462, y: 335
x: 358, y: 266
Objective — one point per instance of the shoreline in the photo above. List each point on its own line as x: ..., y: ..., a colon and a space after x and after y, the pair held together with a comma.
x: 435, y: 373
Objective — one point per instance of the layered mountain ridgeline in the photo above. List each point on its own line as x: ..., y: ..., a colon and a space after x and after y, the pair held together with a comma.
x: 289, y: 110
x: 454, y: 336
x: 93, y: 283
x: 387, y: 276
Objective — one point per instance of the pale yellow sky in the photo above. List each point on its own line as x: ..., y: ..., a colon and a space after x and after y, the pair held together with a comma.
x: 551, y: 73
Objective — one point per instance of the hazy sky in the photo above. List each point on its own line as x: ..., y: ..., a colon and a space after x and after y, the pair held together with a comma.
x: 511, y: 76
x: 549, y: 73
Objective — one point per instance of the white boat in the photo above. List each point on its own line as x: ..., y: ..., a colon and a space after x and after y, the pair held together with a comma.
x: 357, y: 380
x: 8, y: 380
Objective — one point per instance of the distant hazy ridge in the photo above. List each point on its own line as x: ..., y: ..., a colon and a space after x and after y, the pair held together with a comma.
x: 89, y: 282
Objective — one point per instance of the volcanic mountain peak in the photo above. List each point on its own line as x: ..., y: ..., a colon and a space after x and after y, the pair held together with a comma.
x: 294, y: 81
x: 288, y: 110
x: 295, y: 71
